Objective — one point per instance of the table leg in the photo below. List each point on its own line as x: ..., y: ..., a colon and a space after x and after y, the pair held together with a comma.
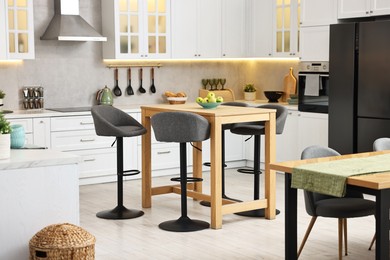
x: 146, y: 163
x: 270, y: 175
x: 197, y: 165
x: 215, y: 174
x: 382, y: 225
x: 291, y: 218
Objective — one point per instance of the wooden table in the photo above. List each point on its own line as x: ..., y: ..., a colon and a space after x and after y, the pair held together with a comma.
x: 377, y: 184
x: 217, y: 117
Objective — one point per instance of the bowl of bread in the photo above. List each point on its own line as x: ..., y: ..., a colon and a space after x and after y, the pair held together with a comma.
x: 176, y: 98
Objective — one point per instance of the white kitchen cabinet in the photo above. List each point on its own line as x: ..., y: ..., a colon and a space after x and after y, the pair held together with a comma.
x: 27, y: 124
x: 318, y: 12
x: 362, y: 8
x: 136, y: 29
x: 260, y: 36
x: 41, y: 134
x: 314, y: 44
x: 286, y: 28
x: 233, y: 28
x: 196, y: 29
x: 17, y: 30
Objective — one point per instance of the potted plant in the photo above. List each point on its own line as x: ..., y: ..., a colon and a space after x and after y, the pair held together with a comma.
x: 249, y: 92
x: 2, y: 95
x: 5, y: 138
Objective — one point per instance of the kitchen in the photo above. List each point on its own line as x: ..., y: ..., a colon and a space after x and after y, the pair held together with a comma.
x: 72, y: 72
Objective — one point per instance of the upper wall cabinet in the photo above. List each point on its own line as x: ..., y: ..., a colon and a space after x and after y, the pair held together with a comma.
x: 136, y: 29
x: 196, y: 29
x: 362, y: 8
x: 318, y: 12
x: 286, y: 28
x: 17, y: 30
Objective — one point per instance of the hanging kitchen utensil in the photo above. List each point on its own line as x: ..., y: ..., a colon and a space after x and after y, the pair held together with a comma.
x: 141, y: 89
x: 152, y: 87
x: 117, y: 90
x: 129, y: 89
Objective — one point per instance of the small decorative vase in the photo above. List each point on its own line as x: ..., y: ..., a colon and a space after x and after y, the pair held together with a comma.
x: 5, y: 146
x: 250, y: 96
x: 17, y: 136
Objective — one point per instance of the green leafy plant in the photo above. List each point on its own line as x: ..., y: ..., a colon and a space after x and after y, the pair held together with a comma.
x: 5, y: 127
x: 249, y: 88
x: 2, y: 94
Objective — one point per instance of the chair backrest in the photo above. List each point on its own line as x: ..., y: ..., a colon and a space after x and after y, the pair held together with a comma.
x: 235, y: 104
x: 180, y: 127
x: 111, y: 121
x: 281, y: 116
x: 381, y: 144
x: 311, y: 198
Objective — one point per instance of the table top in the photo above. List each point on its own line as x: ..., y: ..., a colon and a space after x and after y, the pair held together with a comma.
x: 375, y: 181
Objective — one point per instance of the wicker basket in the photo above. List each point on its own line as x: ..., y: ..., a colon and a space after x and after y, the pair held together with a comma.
x: 62, y: 241
x: 177, y: 100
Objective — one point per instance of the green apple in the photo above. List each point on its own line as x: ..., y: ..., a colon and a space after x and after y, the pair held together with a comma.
x: 219, y: 99
x: 212, y: 99
x: 205, y: 100
x: 199, y: 100
x: 211, y: 95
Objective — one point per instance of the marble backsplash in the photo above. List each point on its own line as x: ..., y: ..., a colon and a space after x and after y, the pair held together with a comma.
x: 72, y: 72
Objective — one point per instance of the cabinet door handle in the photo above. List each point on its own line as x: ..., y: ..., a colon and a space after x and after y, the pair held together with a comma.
x: 87, y: 140
x: 90, y: 160
x: 86, y: 123
x: 166, y: 152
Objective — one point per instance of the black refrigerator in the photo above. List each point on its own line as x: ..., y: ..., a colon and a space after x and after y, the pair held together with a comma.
x: 359, y: 85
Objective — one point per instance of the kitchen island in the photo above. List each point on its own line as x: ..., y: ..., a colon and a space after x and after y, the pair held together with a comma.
x: 38, y: 187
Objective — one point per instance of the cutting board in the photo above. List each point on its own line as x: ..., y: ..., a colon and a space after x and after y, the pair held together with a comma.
x: 227, y: 94
x: 289, y: 85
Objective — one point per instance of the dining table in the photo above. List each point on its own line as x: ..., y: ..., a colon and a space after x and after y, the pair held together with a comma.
x: 217, y: 118
x: 376, y: 184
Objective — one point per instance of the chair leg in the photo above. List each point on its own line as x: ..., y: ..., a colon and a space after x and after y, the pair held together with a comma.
x: 372, y: 241
x: 309, y: 228
x: 345, y: 237
x: 340, y: 238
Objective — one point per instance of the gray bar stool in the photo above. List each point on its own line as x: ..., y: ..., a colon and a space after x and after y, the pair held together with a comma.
x: 110, y: 121
x: 257, y: 129
x: 182, y: 127
x: 224, y: 127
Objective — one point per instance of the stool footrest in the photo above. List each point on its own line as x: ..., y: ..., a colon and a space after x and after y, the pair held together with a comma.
x: 208, y: 164
x: 247, y: 171
x: 129, y: 173
x: 189, y: 179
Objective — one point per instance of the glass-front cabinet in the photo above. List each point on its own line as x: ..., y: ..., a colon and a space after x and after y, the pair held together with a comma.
x: 17, y: 29
x: 136, y: 29
x: 286, y: 28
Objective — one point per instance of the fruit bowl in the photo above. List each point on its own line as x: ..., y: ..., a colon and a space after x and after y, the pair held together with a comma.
x: 209, y: 105
x: 177, y: 100
x: 273, y: 96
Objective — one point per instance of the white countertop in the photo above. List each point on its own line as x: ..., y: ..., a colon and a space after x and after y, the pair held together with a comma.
x: 31, y: 158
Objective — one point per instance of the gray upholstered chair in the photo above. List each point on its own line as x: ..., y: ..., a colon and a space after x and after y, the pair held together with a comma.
x: 353, y: 205
x: 380, y: 144
x: 110, y: 121
x: 182, y: 127
x: 224, y: 127
x: 257, y: 129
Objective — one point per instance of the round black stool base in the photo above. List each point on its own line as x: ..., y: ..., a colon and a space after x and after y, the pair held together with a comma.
x: 208, y: 204
x: 120, y: 212
x: 257, y: 213
x: 184, y: 224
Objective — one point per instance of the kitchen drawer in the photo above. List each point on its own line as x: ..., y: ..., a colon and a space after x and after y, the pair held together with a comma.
x: 97, y: 162
x: 164, y: 156
x: 27, y: 124
x: 79, y: 140
x: 72, y: 123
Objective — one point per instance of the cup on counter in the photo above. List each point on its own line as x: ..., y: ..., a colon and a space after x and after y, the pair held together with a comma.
x: 17, y: 136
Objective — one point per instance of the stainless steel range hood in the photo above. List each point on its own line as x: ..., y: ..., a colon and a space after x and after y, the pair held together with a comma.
x: 68, y: 25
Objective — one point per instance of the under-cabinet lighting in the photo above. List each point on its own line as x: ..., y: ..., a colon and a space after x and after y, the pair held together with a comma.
x: 11, y: 62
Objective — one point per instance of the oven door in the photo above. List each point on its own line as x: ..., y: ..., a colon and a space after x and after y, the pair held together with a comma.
x: 313, y: 89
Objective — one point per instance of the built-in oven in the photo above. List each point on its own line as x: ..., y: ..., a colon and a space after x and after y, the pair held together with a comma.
x: 313, y: 87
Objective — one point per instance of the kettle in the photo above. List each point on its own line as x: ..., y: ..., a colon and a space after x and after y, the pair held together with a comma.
x: 104, y: 96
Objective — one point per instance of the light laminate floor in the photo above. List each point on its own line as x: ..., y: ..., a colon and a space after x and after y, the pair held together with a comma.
x: 239, y: 238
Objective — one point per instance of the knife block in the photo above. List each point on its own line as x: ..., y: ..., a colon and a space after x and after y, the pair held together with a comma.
x: 227, y: 94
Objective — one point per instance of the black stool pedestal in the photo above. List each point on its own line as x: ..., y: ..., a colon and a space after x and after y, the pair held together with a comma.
x: 120, y: 212
x: 184, y: 224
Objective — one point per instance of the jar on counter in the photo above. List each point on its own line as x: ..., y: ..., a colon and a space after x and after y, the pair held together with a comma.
x: 17, y: 136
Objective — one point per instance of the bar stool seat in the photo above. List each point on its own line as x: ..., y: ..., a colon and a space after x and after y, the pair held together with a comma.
x: 181, y: 127
x: 110, y: 121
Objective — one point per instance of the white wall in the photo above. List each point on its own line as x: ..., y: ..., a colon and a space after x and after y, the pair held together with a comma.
x: 72, y: 72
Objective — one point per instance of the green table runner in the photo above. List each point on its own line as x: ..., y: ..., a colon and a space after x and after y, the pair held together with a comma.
x: 330, y: 177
